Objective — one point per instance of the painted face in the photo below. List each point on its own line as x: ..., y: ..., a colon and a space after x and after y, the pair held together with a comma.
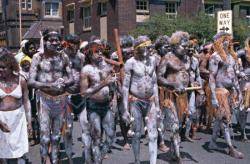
x: 164, y: 49
x: 182, y: 48
x: 73, y: 48
x: 4, y: 70
x: 143, y: 51
x: 52, y: 43
x: 96, y: 57
x: 226, y: 43
x: 25, y: 66
x: 127, y: 53
x: 32, y: 50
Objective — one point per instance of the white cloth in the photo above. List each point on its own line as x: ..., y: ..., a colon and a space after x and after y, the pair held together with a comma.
x: 19, y: 56
x: 14, y: 144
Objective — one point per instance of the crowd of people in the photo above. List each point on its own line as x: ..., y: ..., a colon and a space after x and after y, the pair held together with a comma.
x: 172, y: 84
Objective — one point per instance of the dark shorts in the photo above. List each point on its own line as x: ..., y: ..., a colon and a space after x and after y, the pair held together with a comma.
x: 77, y: 103
x: 100, y: 108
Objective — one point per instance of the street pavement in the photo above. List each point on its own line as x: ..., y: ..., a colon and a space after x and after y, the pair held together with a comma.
x: 191, y: 153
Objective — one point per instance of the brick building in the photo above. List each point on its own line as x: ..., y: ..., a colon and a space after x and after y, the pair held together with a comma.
x: 49, y: 12
x: 100, y: 17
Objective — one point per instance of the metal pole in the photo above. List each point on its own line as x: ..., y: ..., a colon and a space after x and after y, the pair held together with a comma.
x: 20, y: 22
x: 226, y: 4
x: 4, y: 6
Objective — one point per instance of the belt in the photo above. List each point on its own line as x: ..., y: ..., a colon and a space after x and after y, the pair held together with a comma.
x: 133, y: 98
x: 55, y: 98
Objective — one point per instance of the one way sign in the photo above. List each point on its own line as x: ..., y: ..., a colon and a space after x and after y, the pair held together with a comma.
x: 224, y: 21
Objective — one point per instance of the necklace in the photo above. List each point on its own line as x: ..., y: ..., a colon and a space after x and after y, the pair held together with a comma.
x: 5, y: 85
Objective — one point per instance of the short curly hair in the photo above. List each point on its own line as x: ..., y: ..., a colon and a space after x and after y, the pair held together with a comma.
x: 161, y: 40
x: 177, y: 36
x: 7, y: 58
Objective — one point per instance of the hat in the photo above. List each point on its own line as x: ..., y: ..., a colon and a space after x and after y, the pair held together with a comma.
x: 26, y: 58
x: 84, y: 44
x: 219, y: 35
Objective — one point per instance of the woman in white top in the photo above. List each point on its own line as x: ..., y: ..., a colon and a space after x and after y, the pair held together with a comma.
x: 14, y: 109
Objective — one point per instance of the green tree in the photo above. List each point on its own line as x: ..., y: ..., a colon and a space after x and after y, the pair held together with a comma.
x: 203, y: 26
x: 241, y: 31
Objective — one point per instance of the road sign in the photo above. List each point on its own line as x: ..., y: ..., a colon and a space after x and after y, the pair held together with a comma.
x: 224, y: 21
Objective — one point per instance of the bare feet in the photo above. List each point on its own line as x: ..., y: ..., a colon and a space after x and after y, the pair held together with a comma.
x: 163, y: 148
x: 127, y: 146
x: 236, y: 154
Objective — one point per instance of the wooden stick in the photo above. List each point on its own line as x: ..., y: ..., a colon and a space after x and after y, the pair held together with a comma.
x: 119, y: 52
x: 193, y: 88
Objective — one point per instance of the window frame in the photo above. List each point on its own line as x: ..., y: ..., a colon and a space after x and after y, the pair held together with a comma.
x: 23, y: 2
x: 171, y: 6
x: 86, y: 18
x: 27, y: 3
x: 142, y: 8
x: 212, y: 8
x: 71, y: 10
x: 51, y: 10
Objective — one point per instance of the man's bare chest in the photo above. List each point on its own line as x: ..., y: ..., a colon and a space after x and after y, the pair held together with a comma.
x: 141, y: 69
x: 97, y: 75
x: 53, y: 64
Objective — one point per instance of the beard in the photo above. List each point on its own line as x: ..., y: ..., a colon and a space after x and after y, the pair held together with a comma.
x: 52, y: 48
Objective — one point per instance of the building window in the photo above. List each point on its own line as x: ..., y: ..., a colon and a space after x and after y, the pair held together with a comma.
x: 245, y: 13
x: 71, y: 13
x: 102, y: 9
x: 23, y: 4
x: 52, y: 9
x: 211, y: 9
x: 26, y: 4
x: 86, y: 16
x: 29, y: 4
x: 171, y: 9
x: 142, y: 5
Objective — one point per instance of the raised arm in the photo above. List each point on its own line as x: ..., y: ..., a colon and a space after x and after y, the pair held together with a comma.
x: 86, y: 90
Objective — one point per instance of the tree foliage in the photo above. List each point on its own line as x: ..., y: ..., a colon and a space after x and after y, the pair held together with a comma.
x: 203, y: 26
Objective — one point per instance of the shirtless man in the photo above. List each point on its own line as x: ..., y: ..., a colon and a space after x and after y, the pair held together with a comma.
x: 47, y: 74
x: 127, y: 47
x: 173, y: 75
x: 95, y: 81
x: 207, y: 111
x: 162, y: 46
x: 241, y: 115
x: 75, y: 102
x: 224, y: 86
x: 140, y: 96
x: 196, y: 97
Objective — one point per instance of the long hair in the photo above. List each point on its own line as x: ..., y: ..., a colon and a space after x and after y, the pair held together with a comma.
x: 9, y: 60
x: 231, y: 49
x: 218, y: 47
x: 247, y: 48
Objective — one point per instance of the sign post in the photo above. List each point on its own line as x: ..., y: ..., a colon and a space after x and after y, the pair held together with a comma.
x: 224, y: 21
